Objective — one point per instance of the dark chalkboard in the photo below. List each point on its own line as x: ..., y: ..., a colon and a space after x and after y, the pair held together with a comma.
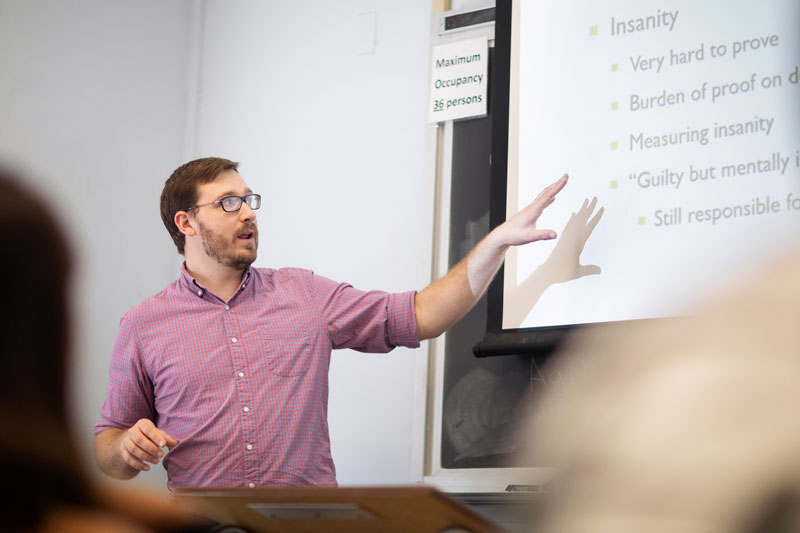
x: 484, y: 399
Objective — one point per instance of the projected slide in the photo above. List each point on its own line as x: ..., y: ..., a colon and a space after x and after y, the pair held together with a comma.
x: 679, y: 124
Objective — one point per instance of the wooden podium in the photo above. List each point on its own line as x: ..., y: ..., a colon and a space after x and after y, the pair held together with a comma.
x: 350, y: 509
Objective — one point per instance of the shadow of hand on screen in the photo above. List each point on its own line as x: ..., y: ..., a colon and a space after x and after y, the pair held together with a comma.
x: 563, y: 264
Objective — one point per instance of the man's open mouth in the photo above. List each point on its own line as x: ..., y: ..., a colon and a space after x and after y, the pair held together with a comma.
x: 245, y: 236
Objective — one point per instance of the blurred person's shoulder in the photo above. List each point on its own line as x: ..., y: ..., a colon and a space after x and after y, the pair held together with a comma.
x: 69, y: 520
x: 125, y: 510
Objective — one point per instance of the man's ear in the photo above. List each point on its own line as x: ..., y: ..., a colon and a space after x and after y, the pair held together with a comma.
x: 184, y: 223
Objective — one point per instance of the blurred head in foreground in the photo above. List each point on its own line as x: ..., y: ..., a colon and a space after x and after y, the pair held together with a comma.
x: 44, y: 485
x: 681, y: 426
x: 39, y: 461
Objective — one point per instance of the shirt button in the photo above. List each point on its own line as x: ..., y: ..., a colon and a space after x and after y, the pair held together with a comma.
x: 233, y: 339
x: 249, y: 446
x: 199, y: 293
x: 227, y: 307
x: 246, y: 409
x: 252, y: 485
x: 241, y: 374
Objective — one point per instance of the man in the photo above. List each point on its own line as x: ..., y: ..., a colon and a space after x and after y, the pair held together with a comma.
x: 228, y: 365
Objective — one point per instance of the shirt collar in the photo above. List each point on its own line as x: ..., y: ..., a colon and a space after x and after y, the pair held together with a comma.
x: 197, y: 289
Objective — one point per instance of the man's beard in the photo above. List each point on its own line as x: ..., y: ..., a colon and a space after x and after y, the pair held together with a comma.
x: 220, y: 248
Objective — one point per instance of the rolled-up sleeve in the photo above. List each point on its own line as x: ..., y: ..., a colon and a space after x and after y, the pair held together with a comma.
x: 367, y: 321
x: 403, y: 319
x: 129, y: 395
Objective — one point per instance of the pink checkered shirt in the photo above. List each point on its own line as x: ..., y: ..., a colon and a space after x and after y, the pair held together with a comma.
x: 243, y: 386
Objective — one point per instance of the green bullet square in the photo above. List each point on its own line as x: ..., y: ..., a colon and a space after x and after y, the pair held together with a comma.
x: 613, y: 184
x: 593, y: 30
x: 641, y: 221
x: 614, y: 67
x: 614, y: 106
x: 613, y: 145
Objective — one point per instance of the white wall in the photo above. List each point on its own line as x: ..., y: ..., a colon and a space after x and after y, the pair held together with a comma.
x: 338, y: 145
x: 94, y: 104
x: 94, y: 100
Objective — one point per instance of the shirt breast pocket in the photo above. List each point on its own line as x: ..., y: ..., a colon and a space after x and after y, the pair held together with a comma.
x: 288, y: 353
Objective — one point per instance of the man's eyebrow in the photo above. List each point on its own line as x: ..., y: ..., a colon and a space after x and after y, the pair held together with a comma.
x: 232, y: 193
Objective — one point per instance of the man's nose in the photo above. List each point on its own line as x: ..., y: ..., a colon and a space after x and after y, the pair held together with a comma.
x: 246, y: 213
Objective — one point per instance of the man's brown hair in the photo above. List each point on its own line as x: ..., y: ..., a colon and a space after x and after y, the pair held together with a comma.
x: 180, y: 190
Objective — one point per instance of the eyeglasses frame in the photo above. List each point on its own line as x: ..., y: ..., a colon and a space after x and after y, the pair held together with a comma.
x: 241, y: 202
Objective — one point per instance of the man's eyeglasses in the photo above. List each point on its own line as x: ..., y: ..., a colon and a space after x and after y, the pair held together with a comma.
x: 231, y: 204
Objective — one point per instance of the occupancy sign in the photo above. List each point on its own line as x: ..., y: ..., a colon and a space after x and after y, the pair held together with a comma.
x: 459, y: 80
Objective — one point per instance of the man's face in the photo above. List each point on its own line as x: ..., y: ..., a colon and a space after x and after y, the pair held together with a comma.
x: 231, y: 239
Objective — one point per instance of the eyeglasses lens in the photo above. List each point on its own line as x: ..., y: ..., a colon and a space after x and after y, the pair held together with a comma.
x: 253, y: 200
x: 231, y: 203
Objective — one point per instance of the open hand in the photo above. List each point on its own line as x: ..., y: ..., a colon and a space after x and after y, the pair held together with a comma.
x: 521, y: 228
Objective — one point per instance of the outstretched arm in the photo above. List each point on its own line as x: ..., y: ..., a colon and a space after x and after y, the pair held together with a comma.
x: 444, y: 302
